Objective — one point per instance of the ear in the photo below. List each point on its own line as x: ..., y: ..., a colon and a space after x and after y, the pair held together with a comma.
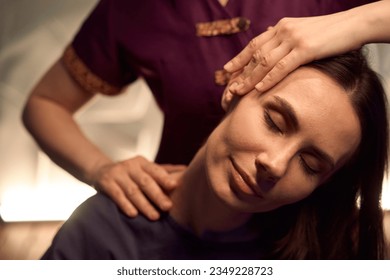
x: 227, y: 98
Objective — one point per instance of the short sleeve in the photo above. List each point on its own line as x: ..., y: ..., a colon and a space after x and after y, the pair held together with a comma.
x: 95, y: 56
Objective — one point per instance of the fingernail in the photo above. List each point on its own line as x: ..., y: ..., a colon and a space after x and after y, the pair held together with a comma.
x: 239, y: 87
x: 228, y: 66
x: 233, y: 86
x: 172, y: 183
x: 259, y: 86
x: 154, y: 216
x: 166, y: 205
x: 132, y: 213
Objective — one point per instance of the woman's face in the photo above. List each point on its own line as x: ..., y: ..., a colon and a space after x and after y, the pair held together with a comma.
x: 277, y: 148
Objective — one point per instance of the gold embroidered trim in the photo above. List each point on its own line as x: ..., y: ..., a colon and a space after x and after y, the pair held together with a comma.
x: 81, y: 73
x: 222, y: 27
x: 222, y: 77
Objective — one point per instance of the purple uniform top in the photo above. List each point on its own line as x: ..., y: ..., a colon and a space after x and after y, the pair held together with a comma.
x: 157, y: 39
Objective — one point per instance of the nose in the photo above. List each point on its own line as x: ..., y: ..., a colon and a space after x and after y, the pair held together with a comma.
x: 272, y: 164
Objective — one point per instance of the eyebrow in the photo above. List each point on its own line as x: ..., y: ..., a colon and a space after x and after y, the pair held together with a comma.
x: 288, y: 112
x: 285, y: 108
x: 324, y: 156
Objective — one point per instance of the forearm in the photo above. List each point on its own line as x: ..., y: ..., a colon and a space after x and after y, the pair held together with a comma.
x: 371, y: 23
x: 48, y: 116
x: 293, y: 42
x: 58, y: 135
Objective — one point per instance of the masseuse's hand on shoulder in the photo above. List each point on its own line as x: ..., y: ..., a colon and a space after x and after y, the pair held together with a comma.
x: 134, y: 183
x: 292, y: 42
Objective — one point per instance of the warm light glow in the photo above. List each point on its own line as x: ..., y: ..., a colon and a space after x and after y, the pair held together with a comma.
x: 44, y: 203
x: 386, y: 195
x: 120, y: 131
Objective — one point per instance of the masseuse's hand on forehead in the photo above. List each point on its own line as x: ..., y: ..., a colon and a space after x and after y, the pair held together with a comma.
x: 242, y: 76
x: 292, y: 42
x: 236, y: 78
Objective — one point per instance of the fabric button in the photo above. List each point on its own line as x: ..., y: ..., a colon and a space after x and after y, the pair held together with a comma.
x: 222, y: 27
x: 221, y: 77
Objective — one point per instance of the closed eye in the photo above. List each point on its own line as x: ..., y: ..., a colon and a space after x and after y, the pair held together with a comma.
x: 271, y: 123
x: 310, y: 171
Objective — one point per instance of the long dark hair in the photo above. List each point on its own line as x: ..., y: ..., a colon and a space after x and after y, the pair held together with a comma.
x: 343, y: 218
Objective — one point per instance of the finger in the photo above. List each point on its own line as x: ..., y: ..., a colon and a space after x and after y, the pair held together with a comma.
x: 170, y: 168
x: 281, y: 69
x: 150, y: 180
x: 132, y: 192
x: 242, y: 59
x: 261, y: 57
x: 138, y: 199
x: 161, y: 174
x: 154, y: 193
x: 119, y: 197
x: 263, y: 60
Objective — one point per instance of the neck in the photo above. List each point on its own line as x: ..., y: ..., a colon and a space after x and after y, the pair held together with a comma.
x: 197, y: 207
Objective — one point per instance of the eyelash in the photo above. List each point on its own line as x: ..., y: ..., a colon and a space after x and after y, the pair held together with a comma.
x: 307, y: 169
x: 271, y: 125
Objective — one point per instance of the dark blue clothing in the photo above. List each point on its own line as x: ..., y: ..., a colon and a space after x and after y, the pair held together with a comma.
x: 99, y: 230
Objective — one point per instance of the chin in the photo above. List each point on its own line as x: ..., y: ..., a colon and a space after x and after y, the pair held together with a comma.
x: 242, y: 203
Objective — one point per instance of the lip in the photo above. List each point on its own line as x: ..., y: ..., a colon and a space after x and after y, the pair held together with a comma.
x: 243, y: 181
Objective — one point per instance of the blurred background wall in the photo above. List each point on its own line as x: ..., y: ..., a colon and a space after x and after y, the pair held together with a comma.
x: 33, y: 34
x: 35, y: 194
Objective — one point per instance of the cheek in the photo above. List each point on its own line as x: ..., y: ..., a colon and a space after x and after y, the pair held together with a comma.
x: 294, y: 186
x: 216, y: 152
x: 246, y: 131
x: 217, y: 172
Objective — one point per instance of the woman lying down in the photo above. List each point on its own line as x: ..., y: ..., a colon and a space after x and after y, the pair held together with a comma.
x: 294, y: 173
